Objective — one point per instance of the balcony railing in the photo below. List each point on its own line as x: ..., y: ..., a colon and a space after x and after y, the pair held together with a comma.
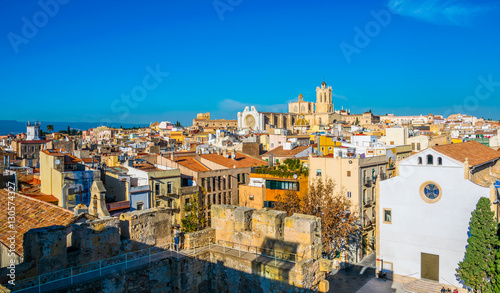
x: 368, y: 180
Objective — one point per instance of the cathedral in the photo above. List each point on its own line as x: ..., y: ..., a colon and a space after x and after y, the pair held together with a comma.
x: 319, y: 113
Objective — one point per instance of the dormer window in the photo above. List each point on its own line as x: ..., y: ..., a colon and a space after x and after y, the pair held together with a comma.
x: 440, y: 161
x: 430, y: 160
x: 420, y: 160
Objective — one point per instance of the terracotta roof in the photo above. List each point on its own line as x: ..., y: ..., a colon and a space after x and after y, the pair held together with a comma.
x: 475, y: 152
x: 241, y: 160
x: 280, y: 152
x: 190, y: 163
x: 30, y: 213
x: 34, y: 141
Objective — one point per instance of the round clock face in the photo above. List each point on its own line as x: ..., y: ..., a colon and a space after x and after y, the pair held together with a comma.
x: 431, y: 192
x: 250, y: 121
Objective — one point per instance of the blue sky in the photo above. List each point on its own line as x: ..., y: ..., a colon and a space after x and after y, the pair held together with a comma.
x: 88, y: 60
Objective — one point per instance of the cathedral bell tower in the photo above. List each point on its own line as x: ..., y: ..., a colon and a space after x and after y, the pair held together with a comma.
x: 324, y: 102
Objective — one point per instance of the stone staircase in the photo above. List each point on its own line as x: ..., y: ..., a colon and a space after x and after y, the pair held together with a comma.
x: 422, y: 286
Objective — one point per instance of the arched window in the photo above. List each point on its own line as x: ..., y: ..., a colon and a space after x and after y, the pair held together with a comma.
x: 440, y: 161
x: 430, y: 160
x: 420, y: 160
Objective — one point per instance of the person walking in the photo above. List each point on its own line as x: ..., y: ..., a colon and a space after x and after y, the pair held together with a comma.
x: 177, y: 237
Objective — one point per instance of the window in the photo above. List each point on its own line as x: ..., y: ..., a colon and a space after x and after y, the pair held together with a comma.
x: 169, y: 187
x: 430, y: 160
x: 157, y: 188
x: 392, y: 142
x: 282, y: 185
x: 420, y: 160
x: 349, y: 194
x: 430, y: 192
x: 139, y: 205
x: 251, y: 197
x: 318, y: 172
x: 440, y: 161
x: 387, y: 216
x: 348, y: 173
x: 413, y: 146
x: 418, y: 146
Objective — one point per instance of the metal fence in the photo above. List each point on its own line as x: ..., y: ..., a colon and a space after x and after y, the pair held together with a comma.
x: 94, y: 270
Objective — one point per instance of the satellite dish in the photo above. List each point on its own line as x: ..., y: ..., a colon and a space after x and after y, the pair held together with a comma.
x: 58, y: 162
x: 294, y: 176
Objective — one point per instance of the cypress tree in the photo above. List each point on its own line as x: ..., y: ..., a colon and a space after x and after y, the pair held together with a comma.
x: 477, y: 270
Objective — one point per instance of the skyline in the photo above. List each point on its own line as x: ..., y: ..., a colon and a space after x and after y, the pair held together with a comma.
x: 185, y: 58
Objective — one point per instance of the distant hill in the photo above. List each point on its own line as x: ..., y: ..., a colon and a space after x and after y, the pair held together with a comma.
x: 15, y: 127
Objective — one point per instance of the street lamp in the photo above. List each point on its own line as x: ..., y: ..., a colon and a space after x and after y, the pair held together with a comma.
x: 497, y: 202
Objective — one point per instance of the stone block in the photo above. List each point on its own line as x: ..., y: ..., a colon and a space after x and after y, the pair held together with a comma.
x: 243, y: 219
x: 324, y: 286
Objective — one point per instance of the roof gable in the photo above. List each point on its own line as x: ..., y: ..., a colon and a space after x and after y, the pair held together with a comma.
x: 475, y: 152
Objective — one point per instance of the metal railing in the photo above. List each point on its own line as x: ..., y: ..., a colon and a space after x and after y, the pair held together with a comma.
x: 86, y: 272
x: 254, y: 250
x: 77, y: 274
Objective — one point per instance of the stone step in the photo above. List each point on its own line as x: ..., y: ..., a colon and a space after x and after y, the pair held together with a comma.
x: 422, y: 286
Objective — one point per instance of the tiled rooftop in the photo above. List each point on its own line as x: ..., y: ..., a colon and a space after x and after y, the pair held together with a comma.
x: 30, y: 213
x: 241, y: 160
x: 190, y: 163
x: 475, y: 152
x: 280, y: 152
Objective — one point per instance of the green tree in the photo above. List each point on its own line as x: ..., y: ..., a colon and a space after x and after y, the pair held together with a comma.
x: 68, y: 131
x: 357, y: 121
x: 50, y: 128
x: 195, y: 218
x: 338, y: 222
x: 496, y: 269
x: 477, y: 268
x: 177, y: 124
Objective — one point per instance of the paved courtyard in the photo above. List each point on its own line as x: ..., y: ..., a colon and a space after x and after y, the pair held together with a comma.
x: 360, y: 278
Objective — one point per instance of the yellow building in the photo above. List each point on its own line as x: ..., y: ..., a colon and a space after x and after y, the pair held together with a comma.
x: 327, y: 144
x: 63, y: 176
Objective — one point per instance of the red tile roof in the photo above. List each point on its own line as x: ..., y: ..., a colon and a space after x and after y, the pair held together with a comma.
x: 475, y: 152
x: 30, y: 213
x: 280, y: 152
x: 190, y: 163
x: 34, y: 141
x: 240, y: 161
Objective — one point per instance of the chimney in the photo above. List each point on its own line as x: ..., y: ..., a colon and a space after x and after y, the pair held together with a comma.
x: 81, y: 209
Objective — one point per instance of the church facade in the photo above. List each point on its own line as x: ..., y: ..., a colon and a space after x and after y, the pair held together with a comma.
x: 320, y: 112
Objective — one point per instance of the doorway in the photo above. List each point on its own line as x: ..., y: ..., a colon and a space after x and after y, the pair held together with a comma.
x: 429, y: 267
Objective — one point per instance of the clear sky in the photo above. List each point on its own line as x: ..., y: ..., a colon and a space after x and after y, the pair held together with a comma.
x: 144, y: 61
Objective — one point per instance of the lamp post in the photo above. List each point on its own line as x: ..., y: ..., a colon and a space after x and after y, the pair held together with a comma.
x: 496, y: 202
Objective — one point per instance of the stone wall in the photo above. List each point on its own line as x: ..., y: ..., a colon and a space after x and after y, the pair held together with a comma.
x: 296, y: 238
x: 207, y: 271
x: 46, y: 249
x: 270, y: 229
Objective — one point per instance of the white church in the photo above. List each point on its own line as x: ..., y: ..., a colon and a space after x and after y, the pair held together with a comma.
x: 424, y: 212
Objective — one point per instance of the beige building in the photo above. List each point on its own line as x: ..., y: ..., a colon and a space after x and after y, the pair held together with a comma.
x: 354, y: 177
x: 203, y: 121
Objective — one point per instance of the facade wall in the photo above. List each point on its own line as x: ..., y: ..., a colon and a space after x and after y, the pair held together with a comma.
x: 417, y: 226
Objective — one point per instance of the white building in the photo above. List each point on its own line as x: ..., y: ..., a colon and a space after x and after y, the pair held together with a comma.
x: 33, y: 130
x: 250, y: 118
x: 424, y: 212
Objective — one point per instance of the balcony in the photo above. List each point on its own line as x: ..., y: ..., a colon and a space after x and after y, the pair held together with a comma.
x: 368, y: 180
x: 368, y: 202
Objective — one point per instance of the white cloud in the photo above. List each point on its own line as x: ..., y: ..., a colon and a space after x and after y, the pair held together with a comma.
x: 448, y: 12
x: 228, y: 105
